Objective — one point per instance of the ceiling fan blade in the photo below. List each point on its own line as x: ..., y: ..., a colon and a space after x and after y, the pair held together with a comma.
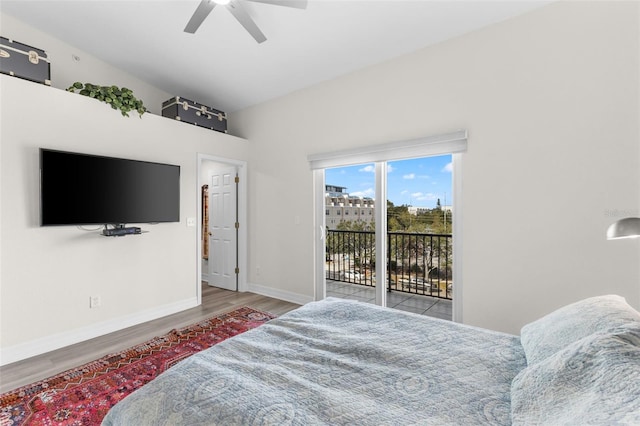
x: 298, y: 4
x: 203, y: 10
x: 243, y: 17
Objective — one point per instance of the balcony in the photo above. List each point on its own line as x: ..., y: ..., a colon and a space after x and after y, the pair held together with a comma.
x: 418, y: 269
x: 423, y: 305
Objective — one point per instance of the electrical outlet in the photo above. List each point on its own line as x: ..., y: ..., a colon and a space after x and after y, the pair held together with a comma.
x: 257, y: 270
x: 94, y: 302
x: 191, y: 221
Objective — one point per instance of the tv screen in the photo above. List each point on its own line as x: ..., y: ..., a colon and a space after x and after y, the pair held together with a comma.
x: 82, y: 189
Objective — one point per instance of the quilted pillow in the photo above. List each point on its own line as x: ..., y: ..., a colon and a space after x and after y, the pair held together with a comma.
x: 557, y: 330
x: 595, y: 381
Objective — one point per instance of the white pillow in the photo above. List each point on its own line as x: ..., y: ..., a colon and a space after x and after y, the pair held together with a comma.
x: 566, y: 325
x: 594, y: 381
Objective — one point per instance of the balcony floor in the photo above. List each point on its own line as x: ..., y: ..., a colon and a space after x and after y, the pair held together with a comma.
x: 423, y: 305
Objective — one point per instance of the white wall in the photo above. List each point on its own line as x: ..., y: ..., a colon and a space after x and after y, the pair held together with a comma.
x: 550, y: 100
x: 47, y: 274
x: 89, y: 69
x: 551, y: 103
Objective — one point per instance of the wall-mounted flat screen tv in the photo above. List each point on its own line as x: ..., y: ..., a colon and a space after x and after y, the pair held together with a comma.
x: 83, y: 189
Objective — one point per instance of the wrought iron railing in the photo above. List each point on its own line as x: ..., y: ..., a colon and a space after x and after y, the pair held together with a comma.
x: 416, y: 263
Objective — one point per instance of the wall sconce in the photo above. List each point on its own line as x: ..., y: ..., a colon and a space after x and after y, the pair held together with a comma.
x: 624, y: 228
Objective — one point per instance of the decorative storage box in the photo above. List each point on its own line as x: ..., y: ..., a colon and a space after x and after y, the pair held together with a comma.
x: 191, y: 112
x: 24, y: 61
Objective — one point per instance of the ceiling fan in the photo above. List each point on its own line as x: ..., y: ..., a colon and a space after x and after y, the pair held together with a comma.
x: 235, y: 7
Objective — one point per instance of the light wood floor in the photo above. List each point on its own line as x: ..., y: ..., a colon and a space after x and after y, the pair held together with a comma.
x: 214, y: 301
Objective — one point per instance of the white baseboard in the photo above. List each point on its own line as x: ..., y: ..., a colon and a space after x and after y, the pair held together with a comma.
x: 287, y: 296
x: 50, y: 343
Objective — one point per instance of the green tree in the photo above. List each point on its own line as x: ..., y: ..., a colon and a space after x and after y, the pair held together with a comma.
x: 436, y: 222
x: 399, y: 218
x: 356, y: 225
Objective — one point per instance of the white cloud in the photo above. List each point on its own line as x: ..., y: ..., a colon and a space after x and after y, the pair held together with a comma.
x: 390, y: 168
x: 369, y: 192
x: 448, y: 168
x: 409, y: 176
x: 421, y: 196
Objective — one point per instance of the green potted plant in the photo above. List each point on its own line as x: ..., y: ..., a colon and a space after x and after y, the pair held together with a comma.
x: 119, y: 98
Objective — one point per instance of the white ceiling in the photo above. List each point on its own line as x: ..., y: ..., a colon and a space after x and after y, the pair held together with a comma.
x: 222, y: 66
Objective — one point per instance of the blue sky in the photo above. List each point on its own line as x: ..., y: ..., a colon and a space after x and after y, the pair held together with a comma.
x: 417, y: 182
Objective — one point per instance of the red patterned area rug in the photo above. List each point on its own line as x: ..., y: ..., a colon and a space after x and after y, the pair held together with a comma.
x: 83, y: 395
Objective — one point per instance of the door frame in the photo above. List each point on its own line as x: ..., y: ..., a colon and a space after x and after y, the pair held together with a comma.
x: 454, y: 143
x: 241, y: 167
x: 381, y: 227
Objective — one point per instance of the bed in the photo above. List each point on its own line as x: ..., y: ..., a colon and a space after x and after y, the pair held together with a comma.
x: 341, y: 362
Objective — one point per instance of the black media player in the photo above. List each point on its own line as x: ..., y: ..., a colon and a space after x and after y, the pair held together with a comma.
x: 120, y: 232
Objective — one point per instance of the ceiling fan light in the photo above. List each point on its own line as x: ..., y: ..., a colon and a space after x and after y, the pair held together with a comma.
x: 221, y: 2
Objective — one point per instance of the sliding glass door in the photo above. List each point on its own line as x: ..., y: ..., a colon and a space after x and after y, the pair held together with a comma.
x: 407, y: 256
x: 403, y: 261
x: 419, y: 235
x: 350, y: 243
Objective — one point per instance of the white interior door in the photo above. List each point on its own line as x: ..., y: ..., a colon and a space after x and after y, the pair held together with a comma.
x: 222, y: 225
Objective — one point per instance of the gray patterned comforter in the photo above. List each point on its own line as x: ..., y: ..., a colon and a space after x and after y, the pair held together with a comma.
x: 337, y: 362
